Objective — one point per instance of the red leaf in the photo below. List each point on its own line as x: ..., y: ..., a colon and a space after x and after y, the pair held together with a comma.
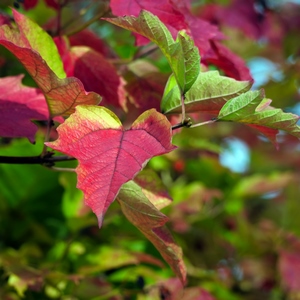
x: 99, y: 75
x: 53, y: 3
x: 145, y: 86
x: 108, y: 154
x: 62, y: 95
x: 239, y: 14
x: 270, y: 133
x: 18, y: 106
x: 90, y: 39
x: 289, y: 267
x: 28, y: 4
x: 229, y: 62
x: 63, y: 48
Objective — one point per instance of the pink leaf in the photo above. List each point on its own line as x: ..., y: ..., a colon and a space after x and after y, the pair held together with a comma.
x: 289, y: 268
x: 90, y: 39
x: 18, y: 106
x: 108, y: 154
x: 229, y: 62
x: 99, y: 75
x: 62, y: 94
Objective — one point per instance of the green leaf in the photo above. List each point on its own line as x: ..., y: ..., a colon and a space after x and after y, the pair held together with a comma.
x: 208, y: 94
x: 150, y: 221
x: 191, y: 59
x: 41, y: 42
x: 182, y: 55
x: 153, y: 188
x: 253, y: 108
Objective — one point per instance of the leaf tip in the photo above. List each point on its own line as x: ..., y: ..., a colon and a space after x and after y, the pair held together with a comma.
x: 100, y: 219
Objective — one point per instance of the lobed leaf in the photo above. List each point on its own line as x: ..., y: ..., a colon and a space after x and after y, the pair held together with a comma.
x: 95, y: 136
x: 252, y: 108
x: 182, y: 55
x: 62, y: 94
x: 145, y: 216
x: 208, y: 94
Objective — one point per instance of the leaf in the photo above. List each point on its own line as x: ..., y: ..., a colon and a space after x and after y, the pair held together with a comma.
x: 208, y: 94
x: 252, y: 108
x: 191, y: 59
x: 145, y: 216
x: 19, y: 105
x: 99, y: 75
x: 108, y: 154
x: 177, y: 15
x: 153, y: 188
x: 62, y: 95
x: 164, y: 9
x: 232, y: 65
x: 90, y: 39
x: 182, y: 55
x: 289, y: 265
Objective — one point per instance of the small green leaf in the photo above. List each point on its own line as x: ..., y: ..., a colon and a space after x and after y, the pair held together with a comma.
x: 253, y: 109
x: 191, y: 59
x: 208, y: 94
x: 182, y: 55
x: 241, y: 107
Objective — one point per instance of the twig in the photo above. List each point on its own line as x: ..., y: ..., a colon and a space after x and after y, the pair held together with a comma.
x: 203, y: 123
x: 45, y: 160
x: 185, y: 123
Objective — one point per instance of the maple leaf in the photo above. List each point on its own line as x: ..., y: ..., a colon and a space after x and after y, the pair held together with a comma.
x: 18, y: 106
x: 37, y: 52
x: 252, y: 108
x: 149, y: 220
x: 108, y: 154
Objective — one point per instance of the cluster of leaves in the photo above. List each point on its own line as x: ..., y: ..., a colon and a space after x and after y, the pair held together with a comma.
x: 78, y: 90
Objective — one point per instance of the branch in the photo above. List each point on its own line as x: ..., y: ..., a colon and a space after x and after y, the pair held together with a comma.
x: 185, y: 123
x: 47, y: 160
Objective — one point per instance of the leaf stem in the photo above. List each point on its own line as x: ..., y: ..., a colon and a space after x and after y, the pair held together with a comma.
x: 182, y: 108
x: 49, y: 125
x: 203, y: 123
